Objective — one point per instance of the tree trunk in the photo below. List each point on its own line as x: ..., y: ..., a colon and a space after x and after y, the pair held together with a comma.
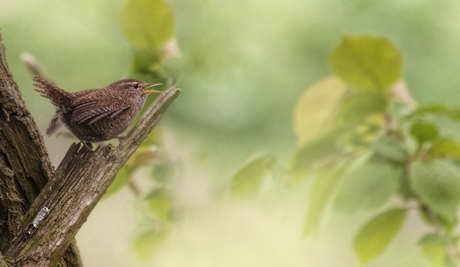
x: 41, y: 209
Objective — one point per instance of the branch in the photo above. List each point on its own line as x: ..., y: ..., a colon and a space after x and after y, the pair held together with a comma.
x: 79, y: 182
x: 24, y: 164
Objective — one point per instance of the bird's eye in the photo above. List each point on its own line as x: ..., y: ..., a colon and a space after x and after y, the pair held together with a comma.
x: 136, y: 85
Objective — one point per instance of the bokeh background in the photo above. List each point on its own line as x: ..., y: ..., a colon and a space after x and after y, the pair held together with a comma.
x: 243, y: 65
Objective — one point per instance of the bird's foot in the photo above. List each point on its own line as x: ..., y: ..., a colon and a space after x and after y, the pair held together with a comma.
x: 89, y: 146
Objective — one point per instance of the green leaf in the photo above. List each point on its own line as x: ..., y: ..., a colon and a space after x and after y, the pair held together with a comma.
x: 246, y: 181
x: 321, y: 192
x: 317, y: 108
x: 367, y: 187
x: 162, y: 171
x: 120, y: 181
x: 390, y: 149
x: 444, y: 118
x: 147, y: 244
x: 358, y: 106
x: 445, y: 148
x: 154, y: 138
x: 367, y: 62
x: 146, y: 23
x: 439, y: 110
x: 159, y: 203
x: 142, y: 157
x: 146, y: 61
x: 315, y: 150
x: 376, y: 235
x: 434, y: 238
x: 433, y: 247
x: 437, y: 184
x: 424, y: 131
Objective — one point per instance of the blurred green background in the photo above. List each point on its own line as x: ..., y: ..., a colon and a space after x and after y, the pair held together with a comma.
x: 242, y: 67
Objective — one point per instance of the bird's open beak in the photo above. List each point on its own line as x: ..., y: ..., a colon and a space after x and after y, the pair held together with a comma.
x: 146, y: 91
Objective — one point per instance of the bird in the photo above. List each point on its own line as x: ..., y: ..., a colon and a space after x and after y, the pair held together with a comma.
x: 94, y: 115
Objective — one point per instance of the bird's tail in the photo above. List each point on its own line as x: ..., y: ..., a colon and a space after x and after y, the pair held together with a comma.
x: 56, y: 126
x: 56, y: 95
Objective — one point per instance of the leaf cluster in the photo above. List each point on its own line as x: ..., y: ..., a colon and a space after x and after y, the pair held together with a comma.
x: 369, y: 147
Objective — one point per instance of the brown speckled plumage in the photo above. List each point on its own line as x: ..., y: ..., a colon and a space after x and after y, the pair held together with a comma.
x: 94, y: 115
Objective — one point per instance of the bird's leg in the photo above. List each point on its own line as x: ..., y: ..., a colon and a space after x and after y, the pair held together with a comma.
x: 89, y: 147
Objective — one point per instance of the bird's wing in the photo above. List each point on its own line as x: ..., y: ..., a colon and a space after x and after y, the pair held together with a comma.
x: 90, y: 109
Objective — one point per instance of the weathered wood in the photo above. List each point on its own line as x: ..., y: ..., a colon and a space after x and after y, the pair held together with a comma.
x: 24, y: 164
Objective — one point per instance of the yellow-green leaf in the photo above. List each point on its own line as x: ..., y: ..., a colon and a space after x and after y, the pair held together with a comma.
x: 445, y: 148
x: 120, y: 180
x: 436, y: 254
x: 246, y: 181
x: 143, y: 156
x: 367, y: 62
x: 159, y: 203
x: 356, y: 107
x: 374, y: 237
x: 146, y: 24
x: 317, y: 108
x: 433, y: 247
x: 147, y: 244
x: 321, y: 192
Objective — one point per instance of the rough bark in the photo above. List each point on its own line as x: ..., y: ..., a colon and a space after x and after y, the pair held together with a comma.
x: 42, y: 210
x: 25, y: 167
x: 24, y: 164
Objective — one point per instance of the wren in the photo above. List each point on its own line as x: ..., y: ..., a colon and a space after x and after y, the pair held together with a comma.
x: 95, y: 115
